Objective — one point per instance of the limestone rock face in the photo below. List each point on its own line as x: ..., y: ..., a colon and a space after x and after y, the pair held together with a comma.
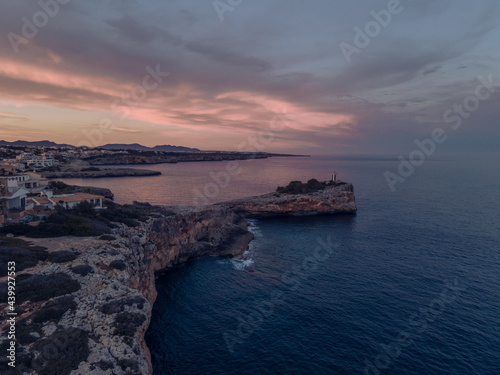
x: 216, y: 230
x: 338, y: 198
x: 102, y: 312
x: 85, y: 303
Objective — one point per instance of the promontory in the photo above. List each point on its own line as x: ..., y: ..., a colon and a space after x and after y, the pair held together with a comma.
x: 84, y: 301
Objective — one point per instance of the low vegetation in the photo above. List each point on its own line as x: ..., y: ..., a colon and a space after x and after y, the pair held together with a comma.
x: 62, y: 256
x: 126, y: 324
x: 130, y: 365
x: 298, y: 187
x: 107, y: 237
x: 62, y: 352
x: 114, y: 307
x: 23, y: 253
x: 59, y: 188
x: 118, y: 265
x: 82, y: 221
x: 37, y: 288
x: 54, y: 310
x: 82, y: 270
x: 23, y: 360
x: 91, y: 169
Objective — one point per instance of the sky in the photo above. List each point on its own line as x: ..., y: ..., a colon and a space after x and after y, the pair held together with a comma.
x: 316, y: 77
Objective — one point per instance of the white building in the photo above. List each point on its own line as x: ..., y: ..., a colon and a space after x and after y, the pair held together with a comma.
x: 12, y: 196
x: 33, y: 161
x: 33, y: 182
x: 69, y: 201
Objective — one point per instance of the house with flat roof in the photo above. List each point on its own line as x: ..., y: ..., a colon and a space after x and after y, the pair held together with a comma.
x: 42, y: 203
x: 31, y: 181
x: 33, y: 161
x: 70, y: 201
x: 13, y: 200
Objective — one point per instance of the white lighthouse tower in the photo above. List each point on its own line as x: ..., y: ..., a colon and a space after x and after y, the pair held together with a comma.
x: 334, y: 177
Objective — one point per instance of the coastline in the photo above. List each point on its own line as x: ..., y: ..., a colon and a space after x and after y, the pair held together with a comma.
x: 134, y: 158
x: 102, y: 173
x: 114, y: 277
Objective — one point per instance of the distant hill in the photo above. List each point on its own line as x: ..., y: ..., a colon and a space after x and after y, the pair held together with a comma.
x: 138, y: 147
x: 114, y: 146
x: 37, y: 143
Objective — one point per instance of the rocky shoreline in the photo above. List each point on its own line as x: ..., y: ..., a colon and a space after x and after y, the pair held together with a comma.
x: 337, y: 198
x: 177, y: 157
x: 84, y: 304
x: 102, y: 172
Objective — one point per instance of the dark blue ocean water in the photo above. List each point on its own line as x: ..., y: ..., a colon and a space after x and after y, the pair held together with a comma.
x: 409, y: 285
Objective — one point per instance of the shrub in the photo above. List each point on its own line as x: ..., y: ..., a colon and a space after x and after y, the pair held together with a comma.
x: 126, y: 324
x: 107, y: 237
x: 104, y: 366
x: 114, y: 307
x: 91, y: 169
x: 128, y: 364
x: 118, y: 264
x: 62, y: 352
x: 43, y: 287
x: 23, y: 360
x: 298, y: 187
x: 54, y: 310
x: 62, y: 256
x: 62, y: 223
x: 24, y: 258
x: 85, y: 208
x: 82, y: 270
x: 24, y: 330
x: 59, y: 187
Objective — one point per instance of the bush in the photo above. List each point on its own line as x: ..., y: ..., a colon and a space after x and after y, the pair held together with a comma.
x: 62, y: 223
x: 298, y: 187
x: 82, y: 221
x: 23, y: 360
x: 59, y: 187
x: 104, y: 366
x: 128, y: 364
x: 24, y: 257
x: 126, y: 324
x: 24, y: 330
x: 62, y: 352
x: 118, y: 264
x: 114, y: 307
x: 107, y: 237
x: 85, y: 209
x: 91, y: 169
x: 82, y: 270
x: 54, y: 310
x: 62, y: 256
x: 43, y: 287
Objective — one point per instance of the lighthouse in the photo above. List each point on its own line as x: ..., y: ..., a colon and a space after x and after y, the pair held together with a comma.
x: 334, y: 177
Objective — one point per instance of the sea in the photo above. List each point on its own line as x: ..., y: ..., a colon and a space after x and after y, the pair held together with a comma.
x: 410, y: 284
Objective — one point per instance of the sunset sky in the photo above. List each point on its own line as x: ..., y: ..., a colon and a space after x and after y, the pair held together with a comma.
x: 232, y: 68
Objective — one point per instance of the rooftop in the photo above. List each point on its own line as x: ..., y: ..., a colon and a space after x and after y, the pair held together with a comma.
x: 77, y: 197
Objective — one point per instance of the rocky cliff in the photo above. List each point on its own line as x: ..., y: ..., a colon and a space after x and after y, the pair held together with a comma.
x: 84, y: 304
x: 338, y: 198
